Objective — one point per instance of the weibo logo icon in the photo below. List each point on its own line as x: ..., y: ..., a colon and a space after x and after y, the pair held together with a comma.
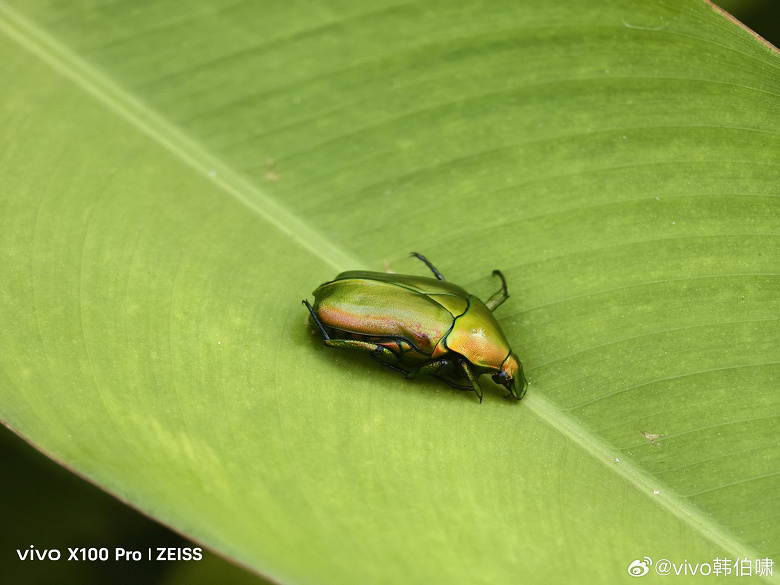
x: 639, y: 568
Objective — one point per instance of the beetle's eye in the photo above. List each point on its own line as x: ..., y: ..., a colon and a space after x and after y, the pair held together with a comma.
x: 501, y: 377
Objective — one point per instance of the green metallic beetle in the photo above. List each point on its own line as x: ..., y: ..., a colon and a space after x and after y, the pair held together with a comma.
x: 425, y: 324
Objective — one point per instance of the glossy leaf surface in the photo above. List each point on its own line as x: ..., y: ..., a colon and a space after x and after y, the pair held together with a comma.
x: 177, y: 176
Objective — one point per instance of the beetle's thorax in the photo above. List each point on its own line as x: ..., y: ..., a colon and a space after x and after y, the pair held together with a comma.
x: 477, y: 336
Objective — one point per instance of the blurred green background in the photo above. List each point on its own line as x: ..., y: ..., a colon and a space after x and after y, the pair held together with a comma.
x: 43, y: 504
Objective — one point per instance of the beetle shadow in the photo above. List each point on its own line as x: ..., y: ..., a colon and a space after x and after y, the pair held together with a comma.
x: 489, y: 388
x: 375, y: 371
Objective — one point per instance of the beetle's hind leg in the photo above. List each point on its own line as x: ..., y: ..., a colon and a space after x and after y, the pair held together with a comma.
x: 380, y: 353
x: 500, y: 296
x: 374, y: 349
x: 428, y: 264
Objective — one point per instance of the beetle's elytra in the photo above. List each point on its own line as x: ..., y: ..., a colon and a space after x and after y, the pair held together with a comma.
x: 418, y: 325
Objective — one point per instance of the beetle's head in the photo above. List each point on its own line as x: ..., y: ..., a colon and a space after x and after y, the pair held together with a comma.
x: 511, y: 376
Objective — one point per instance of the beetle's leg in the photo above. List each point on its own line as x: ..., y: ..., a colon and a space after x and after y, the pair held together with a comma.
x: 472, y: 378
x: 372, y: 348
x: 428, y: 264
x: 500, y: 296
x: 316, y: 320
x: 429, y: 368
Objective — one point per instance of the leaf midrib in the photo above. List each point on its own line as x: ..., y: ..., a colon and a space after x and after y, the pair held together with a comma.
x: 162, y: 132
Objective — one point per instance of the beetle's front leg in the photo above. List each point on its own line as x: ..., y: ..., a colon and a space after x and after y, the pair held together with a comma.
x: 472, y: 378
x: 498, y: 297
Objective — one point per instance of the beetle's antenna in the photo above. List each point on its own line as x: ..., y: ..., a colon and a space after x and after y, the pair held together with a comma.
x: 428, y: 264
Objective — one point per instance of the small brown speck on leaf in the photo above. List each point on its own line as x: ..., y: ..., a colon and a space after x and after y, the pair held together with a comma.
x: 650, y: 437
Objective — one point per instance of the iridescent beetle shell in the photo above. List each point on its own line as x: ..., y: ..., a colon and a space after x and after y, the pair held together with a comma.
x: 418, y: 326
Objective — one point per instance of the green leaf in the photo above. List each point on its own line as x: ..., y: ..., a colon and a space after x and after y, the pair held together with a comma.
x: 177, y: 176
